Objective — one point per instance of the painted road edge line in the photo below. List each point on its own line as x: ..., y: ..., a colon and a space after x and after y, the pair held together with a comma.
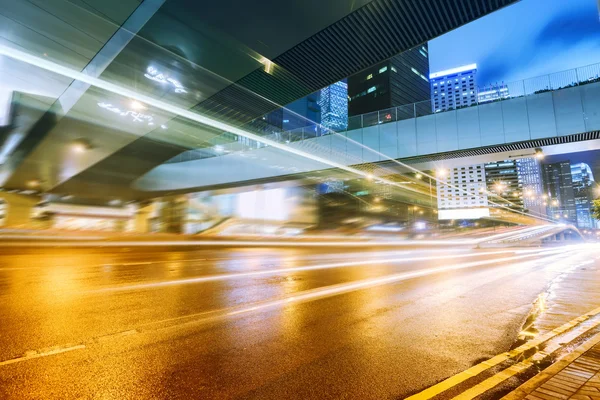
x: 492, y: 362
x: 532, y: 384
x: 501, y: 376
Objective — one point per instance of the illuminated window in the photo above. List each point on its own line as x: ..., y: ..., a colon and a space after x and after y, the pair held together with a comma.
x: 382, y: 70
x: 371, y: 89
x: 394, y: 69
x: 369, y: 76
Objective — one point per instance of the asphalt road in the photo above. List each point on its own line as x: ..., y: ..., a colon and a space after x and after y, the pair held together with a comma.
x: 259, y: 323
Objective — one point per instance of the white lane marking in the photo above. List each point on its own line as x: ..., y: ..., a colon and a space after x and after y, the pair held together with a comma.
x: 34, y: 354
x: 278, y: 271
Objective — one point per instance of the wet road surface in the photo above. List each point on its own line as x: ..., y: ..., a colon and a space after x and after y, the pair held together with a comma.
x: 259, y: 323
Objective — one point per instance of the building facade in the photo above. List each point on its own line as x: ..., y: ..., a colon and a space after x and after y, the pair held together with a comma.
x: 558, y: 186
x: 583, y: 185
x: 504, y: 184
x: 333, y: 104
x: 395, y: 82
x: 507, y: 184
x: 301, y: 113
x: 464, y: 188
x: 530, y: 175
x: 453, y: 88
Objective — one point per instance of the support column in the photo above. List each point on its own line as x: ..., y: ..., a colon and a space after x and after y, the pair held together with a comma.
x: 142, y: 217
x: 173, y: 214
x: 18, y: 210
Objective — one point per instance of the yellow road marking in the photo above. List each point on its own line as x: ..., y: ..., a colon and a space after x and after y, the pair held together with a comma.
x: 500, y: 358
x: 494, y: 380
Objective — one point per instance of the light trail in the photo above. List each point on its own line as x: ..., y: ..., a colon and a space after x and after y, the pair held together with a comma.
x: 240, y: 243
x: 342, y: 288
x: 271, y: 243
x: 346, y: 264
x: 161, y: 105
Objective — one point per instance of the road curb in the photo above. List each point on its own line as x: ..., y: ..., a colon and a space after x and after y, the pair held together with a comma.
x: 534, y: 383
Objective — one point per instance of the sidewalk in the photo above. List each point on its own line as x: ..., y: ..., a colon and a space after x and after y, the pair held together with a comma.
x: 576, y: 376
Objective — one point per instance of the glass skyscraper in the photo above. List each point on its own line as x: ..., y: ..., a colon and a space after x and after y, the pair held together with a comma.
x: 583, y: 182
x: 530, y: 176
x: 558, y: 185
x: 334, y: 106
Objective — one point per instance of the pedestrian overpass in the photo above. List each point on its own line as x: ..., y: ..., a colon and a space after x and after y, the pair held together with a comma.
x: 538, y: 117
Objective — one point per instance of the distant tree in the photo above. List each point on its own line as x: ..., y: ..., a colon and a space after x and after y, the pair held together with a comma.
x: 596, y: 209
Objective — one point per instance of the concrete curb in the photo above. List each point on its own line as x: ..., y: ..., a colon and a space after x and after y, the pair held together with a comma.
x: 534, y: 383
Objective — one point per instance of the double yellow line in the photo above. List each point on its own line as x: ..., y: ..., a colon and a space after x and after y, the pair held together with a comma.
x: 494, y: 361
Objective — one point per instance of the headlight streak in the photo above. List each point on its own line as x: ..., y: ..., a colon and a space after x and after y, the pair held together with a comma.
x: 280, y: 271
x: 333, y: 290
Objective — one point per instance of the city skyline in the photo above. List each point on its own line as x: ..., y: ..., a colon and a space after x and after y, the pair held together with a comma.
x: 519, y: 42
x: 591, y: 158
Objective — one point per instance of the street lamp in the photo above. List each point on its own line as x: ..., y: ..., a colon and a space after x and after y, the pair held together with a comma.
x: 539, y: 154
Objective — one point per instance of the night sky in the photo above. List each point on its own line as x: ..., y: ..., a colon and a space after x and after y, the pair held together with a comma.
x: 527, y: 39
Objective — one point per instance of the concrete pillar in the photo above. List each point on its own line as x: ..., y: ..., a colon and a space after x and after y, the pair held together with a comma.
x: 18, y: 210
x: 173, y: 214
x: 142, y: 217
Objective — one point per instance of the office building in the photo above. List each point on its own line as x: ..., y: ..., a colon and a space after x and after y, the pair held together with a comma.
x: 333, y: 103
x: 558, y: 186
x: 461, y: 193
x: 493, y: 93
x: 583, y: 183
x: 302, y: 113
x: 296, y: 115
x: 453, y: 88
x: 395, y: 82
x: 504, y: 185
x: 530, y: 176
